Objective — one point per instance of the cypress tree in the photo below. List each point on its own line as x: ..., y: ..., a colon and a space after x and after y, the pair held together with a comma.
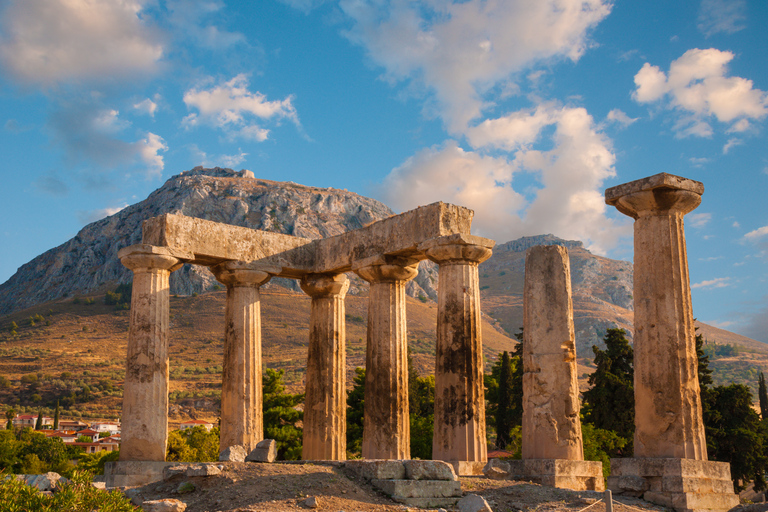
x: 516, y: 411
x: 39, y: 422
x: 762, y: 394
x: 505, y: 407
x: 56, y: 417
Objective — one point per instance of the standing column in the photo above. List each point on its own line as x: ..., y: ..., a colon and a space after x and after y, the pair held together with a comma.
x: 386, y: 424
x: 325, y: 409
x: 551, y: 423
x: 668, y: 418
x: 459, y: 432
x: 145, y: 392
x: 241, y: 403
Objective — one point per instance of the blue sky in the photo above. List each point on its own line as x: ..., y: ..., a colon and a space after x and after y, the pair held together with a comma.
x: 522, y: 111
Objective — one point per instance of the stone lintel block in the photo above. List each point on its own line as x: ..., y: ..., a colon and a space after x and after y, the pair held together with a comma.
x: 131, y: 473
x: 661, y: 180
x: 429, y: 470
x: 578, y: 475
x: 427, y: 502
x: 670, y: 467
x: 377, y: 469
x: 419, y: 488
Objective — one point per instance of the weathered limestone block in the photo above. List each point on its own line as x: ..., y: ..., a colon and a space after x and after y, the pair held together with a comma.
x: 325, y: 409
x: 131, y: 473
x: 145, y: 392
x: 386, y: 428
x: 236, y: 453
x: 578, y: 475
x: 265, y: 451
x: 164, y: 505
x: 459, y: 429
x: 377, y: 469
x: 551, y: 424
x: 473, y: 503
x: 203, y: 470
x: 429, y: 470
x: 419, y: 488
x: 241, y: 401
x: 496, y: 469
x: 668, y: 417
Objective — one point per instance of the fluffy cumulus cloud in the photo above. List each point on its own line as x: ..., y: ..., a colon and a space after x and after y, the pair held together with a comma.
x: 563, y: 194
x: 233, y: 108
x: 52, y: 41
x: 696, y: 86
x: 461, y: 50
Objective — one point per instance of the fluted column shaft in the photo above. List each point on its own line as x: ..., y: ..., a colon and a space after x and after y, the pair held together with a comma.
x: 145, y: 392
x: 459, y: 430
x: 241, y: 399
x: 668, y: 415
x: 386, y: 424
x: 551, y: 422
x: 325, y: 409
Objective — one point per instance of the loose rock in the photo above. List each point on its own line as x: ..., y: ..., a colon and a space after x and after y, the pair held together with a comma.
x: 166, y: 505
x: 203, y: 470
x: 265, y: 451
x: 429, y: 470
x: 310, y: 502
x: 235, y: 453
x: 473, y: 503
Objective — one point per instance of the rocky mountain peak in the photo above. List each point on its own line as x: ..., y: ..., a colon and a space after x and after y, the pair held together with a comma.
x: 524, y: 243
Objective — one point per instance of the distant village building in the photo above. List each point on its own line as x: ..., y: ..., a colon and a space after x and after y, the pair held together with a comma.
x: 106, y: 426
x: 196, y: 423
x: 30, y: 420
x: 75, y: 425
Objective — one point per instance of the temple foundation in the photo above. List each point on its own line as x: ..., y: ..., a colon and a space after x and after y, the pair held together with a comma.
x: 670, y: 466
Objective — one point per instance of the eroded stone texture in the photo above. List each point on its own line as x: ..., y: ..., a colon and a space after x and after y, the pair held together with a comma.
x: 551, y: 424
x: 386, y: 427
x: 668, y: 417
x: 459, y: 431
x: 241, y: 401
x: 325, y: 409
x: 145, y: 392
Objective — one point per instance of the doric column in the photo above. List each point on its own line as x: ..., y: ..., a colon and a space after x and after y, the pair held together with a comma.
x: 386, y: 427
x: 668, y: 418
x: 551, y: 423
x: 241, y: 403
x: 325, y: 409
x: 145, y: 392
x: 459, y: 432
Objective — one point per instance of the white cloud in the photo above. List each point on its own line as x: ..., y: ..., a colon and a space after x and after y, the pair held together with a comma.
x: 304, y: 5
x: 711, y: 258
x: 699, y: 220
x: 52, y: 41
x: 148, y: 149
x: 698, y: 162
x: 736, y: 224
x: 567, y: 200
x: 194, y: 19
x: 86, y: 217
x: 620, y: 117
x: 233, y: 108
x: 202, y: 158
x: 731, y: 143
x: 699, y: 90
x: 721, y: 16
x: 460, y: 50
x: 719, y: 282
x: 757, y: 233
x: 146, y: 106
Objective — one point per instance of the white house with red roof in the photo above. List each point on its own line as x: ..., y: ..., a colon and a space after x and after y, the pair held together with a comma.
x: 30, y: 420
x: 196, y: 423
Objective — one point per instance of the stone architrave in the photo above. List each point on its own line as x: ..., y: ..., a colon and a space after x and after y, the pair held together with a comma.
x: 145, y: 392
x: 551, y: 424
x: 386, y: 427
x: 668, y: 417
x: 325, y: 409
x: 459, y: 430
x: 241, y: 400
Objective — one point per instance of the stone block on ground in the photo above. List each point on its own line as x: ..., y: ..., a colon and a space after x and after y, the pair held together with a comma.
x: 577, y: 475
x: 377, y: 469
x: 132, y: 473
x: 203, y: 470
x: 419, y: 488
x: 496, y: 469
x: 236, y: 453
x: 473, y: 503
x: 468, y: 467
x: 429, y: 470
x: 171, y: 471
x: 166, y: 505
x: 265, y: 451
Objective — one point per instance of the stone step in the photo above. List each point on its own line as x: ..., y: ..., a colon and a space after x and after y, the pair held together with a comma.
x: 690, y: 500
x: 419, y: 488
x: 427, y: 502
x: 670, y: 484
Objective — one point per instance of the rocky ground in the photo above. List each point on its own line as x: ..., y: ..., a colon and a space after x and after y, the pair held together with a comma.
x: 249, y: 487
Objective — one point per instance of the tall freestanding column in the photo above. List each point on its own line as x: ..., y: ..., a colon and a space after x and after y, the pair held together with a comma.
x: 325, y: 409
x: 459, y: 431
x: 386, y: 426
x: 145, y: 392
x: 668, y: 418
x: 552, y: 444
x: 241, y: 402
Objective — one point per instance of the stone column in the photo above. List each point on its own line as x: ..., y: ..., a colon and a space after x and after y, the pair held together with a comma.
x: 551, y: 424
x: 459, y: 431
x: 325, y: 409
x: 668, y: 418
x: 145, y: 393
x: 241, y: 403
x: 386, y: 427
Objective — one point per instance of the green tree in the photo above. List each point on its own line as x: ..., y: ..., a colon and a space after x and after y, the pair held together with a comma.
x: 56, y: 417
x: 762, y: 394
x: 195, y: 444
x: 355, y: 411
x: 39, y: 422
x: 9, y: 450
x: 281, y: 416
x: 505, y: 406
x: 513, y: 394
x: 599, y: 444
x: 609, y: 404
x: 422, y: 417
x: 9, y: 415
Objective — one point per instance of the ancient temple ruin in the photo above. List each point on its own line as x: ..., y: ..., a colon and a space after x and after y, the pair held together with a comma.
x: 385, y: 254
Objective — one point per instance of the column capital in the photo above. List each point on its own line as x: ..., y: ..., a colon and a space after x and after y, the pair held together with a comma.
x: 241, y: 273
x: 458, y: 249
x: 146, y: 258
x: 325, y: 285
x: 661, y: 194
x: 386, y: 269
